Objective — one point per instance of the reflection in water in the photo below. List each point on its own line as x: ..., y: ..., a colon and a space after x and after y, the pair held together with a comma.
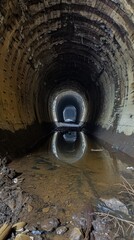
x: 67, y: 188
x: 70, y: 137
x: 65, y: 191
x: 96, y: 170
x: 68, y: 147
x: 77, y: 149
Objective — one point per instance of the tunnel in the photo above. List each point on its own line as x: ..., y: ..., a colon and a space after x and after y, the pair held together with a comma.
x: 58, y: 53
x: 69, y: 105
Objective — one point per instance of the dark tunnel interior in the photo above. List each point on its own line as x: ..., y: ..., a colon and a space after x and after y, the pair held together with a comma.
x: 48, y: 48
x: 66, y: 119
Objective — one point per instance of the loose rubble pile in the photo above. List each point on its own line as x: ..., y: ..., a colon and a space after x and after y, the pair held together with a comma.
x: 15, y: 204
x: 114, y: 220
x: 12, y: 198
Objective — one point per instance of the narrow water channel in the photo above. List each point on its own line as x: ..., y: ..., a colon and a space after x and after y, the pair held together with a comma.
x: 67, y: 173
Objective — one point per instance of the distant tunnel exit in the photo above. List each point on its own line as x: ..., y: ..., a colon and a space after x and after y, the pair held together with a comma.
x: 70, y: 114
x: 68, y: 107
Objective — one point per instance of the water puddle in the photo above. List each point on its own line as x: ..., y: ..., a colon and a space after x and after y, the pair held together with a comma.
x: 67, y: 173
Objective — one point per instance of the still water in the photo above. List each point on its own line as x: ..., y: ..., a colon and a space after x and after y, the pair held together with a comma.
x: 68, y: 172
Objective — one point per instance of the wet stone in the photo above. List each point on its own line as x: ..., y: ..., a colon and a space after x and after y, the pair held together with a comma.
x: 76, y: 234
x: 61, y: 230
x: 46, y: 209
x: 80, y: 221
x: 49, y: 224
x: 29, y: 208
x: 116, y: 205
x: 37, y: 237
x: 22, y: 237
x: 5, y: 212
x: 102, y: 230
x: 101, y: 236
x: 9, y: 172
x: 3, y: 161
x: 19, y: 226
x: 31, y: 228
x: 99, y: 225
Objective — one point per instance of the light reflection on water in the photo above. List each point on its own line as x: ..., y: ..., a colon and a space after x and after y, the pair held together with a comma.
x: 95, y: 161
x: 67, y: 174
x: 70, y: 169
x: 68, y: 147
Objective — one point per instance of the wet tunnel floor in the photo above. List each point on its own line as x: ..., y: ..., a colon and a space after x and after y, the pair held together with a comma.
x: 67, y: 174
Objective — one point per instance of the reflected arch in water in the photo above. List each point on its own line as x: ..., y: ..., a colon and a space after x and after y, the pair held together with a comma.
x: 68, y: 147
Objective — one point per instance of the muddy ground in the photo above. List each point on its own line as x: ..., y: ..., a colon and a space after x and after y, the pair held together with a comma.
x: 47, y: 218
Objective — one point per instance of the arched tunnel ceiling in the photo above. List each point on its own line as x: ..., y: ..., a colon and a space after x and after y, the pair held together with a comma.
x: 46, y: 43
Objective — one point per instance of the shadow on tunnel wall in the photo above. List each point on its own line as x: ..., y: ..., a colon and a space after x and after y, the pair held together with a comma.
x: 23, y: 141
